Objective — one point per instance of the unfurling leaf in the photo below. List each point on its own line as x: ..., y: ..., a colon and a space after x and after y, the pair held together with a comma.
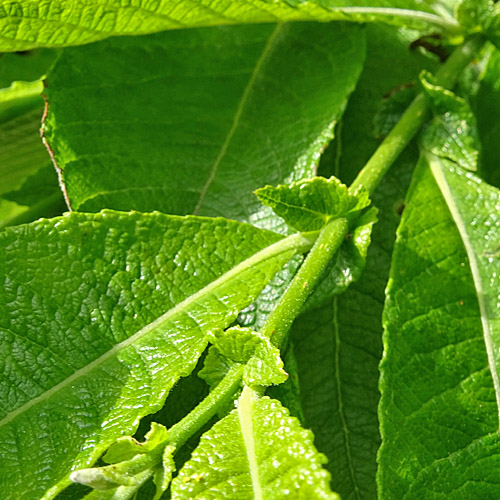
x: 127, y: 447
x: 264, y: 366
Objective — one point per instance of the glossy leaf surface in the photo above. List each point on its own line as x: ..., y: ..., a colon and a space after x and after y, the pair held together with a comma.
x: 257, y: 451
x: 115, y: 308
x: 440, y: 390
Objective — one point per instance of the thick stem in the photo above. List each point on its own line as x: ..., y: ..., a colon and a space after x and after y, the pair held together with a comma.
x: 412, y: 119
x: 281, y: 318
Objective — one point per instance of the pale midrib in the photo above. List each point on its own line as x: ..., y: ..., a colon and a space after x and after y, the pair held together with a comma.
x: 245, y: 415
x: 340, y: 402
x: 237, y: 117
x: 436, y: 168
x: 297, y: 243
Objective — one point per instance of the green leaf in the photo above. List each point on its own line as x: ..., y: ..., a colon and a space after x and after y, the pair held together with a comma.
x: 28, y: 24
x: 453, y: 132
x: 39, y: 195
x: 20, y: 98
x: 21, y: 150
x: 486, y: 105
x: 127, y: 447
x: 244, y: 346
x: 25, y: 66
x: 309, y: 204
x: 259, y: 452
x: 440, y: 386
x: 210, y: 119
x: 338, y: 346
x: 115, y: 308
x: 127, y: 474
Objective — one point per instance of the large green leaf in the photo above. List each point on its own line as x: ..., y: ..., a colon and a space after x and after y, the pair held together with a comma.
x: 31, y: 23
x: 99, y: 316
x: 256, y: 452
x: 193, y: 121
x: 440, y: 386
x: 338, y: 347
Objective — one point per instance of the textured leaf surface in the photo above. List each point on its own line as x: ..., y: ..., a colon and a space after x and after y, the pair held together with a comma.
x: 308, y: 205
x: 440, y: 391
x: 258, y: 451
x: 244, y: 346
x: 100, y: 315
x: 453, y: 132
x: 193, y: 121
x: 338, y: 347
x: 34, y: 23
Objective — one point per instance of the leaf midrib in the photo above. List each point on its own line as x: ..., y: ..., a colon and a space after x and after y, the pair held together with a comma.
x: 237, y: 116
x: 245, y: 417
x: 297, y: 243
x: 436, y: 168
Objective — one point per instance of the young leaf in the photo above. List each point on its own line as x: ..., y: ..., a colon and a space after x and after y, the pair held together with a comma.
x: 115, y: 308
x: 209, y: 122
x: 338, y: 346
x: 257, y: 451
x: 127, y: 447
x: 453, y: 132
x: 308, y: 205
x: 242, y: 345
x: 69, y: 22
x: 440, y: 385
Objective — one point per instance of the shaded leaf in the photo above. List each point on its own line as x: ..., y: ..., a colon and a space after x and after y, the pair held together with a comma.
x: 257, y: 451
x: 440, y: 392
x: 210, y: 120
x: 135, y: 296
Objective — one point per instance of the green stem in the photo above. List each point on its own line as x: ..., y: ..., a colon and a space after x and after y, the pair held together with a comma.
x: 412, y: 119
x: 288, y: 308
x: 216, y: 400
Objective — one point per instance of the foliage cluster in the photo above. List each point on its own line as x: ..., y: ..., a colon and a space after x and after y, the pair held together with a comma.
x: 252, y: 251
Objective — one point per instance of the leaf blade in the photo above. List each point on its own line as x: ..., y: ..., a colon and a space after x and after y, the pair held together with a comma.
x: 105, y: 350
x: 30, y: 24
x: 198, y: 140
x: 269, y: 456
x: 446, y: 373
